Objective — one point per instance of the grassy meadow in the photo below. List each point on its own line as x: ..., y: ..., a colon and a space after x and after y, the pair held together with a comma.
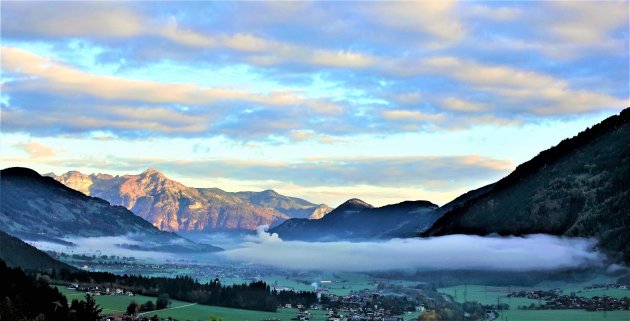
x: 185, y: 311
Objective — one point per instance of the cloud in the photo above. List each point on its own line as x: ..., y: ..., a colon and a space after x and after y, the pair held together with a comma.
x: 36, y: 150
x: 437, y: 173
x: 49, y: 75
x: 586, y: 22
x: 411, y: 115
x: 457, y: 104
x: 436, y: 19
x: 119, y: 21
x: 69, y: 20
x: 491, y: 12
x: 408, y: 98
x: 451, y: 252
x: 433, y: 65
x: 530, y: 92
x: 304, y: 135
x: 104, y: 245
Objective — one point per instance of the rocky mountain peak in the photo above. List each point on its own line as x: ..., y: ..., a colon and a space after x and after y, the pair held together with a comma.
x: 152, y: 172
x: 270, y: 192
x: 354, y: 204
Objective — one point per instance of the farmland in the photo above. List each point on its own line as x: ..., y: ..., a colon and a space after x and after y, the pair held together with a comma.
x: 489, y: 294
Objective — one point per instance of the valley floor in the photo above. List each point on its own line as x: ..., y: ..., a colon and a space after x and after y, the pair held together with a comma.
x: 489, y: 294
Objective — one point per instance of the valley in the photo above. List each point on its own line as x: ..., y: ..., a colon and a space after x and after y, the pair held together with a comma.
x: 153, y: 237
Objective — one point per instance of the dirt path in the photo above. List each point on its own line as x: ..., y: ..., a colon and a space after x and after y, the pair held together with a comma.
x: 179, y: 307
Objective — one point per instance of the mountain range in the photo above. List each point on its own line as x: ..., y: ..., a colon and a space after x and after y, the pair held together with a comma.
x: 35, y: 207
x: 581, y: 187
x: 171, y: 206
x: 356, y: 219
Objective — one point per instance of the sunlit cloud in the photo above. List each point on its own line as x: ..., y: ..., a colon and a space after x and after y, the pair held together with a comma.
x: 55, y: 77
x: 37, y: 150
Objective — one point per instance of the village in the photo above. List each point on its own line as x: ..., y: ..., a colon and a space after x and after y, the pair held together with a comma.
x: 553, y: 300
x: 95, y: 290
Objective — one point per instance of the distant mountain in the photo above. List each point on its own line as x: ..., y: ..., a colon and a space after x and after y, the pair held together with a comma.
x: 291, y: 206
x: 171, y: 206
x: 356, y: 220
x: 581, y: 187
x: 16, y: 253
x: 416, y: 226
x: 34, y: 207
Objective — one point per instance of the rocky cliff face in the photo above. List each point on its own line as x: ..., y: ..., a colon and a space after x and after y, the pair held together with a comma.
x: 171, y: 206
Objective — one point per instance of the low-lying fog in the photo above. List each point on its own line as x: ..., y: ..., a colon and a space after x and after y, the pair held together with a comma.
x: 534, y: 252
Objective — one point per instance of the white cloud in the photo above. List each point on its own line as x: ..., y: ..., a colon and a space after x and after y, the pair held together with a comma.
x: 451, y: 252
x: 532, y: 92
x: 587, y: 22
x: 457, y: 104
x: 411, y: 115
x: 37, y: 150
x: 438, y: 19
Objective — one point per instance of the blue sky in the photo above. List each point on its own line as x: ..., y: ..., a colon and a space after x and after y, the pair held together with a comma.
x: 384, y: 101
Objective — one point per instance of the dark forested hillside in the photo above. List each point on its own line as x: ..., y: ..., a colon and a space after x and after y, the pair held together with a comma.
x: 581, y: 187
x: 356, y: 219
x: 23, y: 298
x: 16, y: 253
x: 418, y: 225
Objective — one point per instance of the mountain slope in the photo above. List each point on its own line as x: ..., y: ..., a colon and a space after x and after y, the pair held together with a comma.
x: 581, y: 187
x: 171, y: 206
x: 291, y: 206
x: 16, y: 253
x: 356, y: 219
x: 415, y: 227
x: 40, y: 208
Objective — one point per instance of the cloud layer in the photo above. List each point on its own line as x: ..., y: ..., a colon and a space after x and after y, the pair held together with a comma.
x: 404, y: 66
x: 440, y: 253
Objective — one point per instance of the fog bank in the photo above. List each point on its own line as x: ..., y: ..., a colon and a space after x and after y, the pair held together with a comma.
x: 534, y: 252
x: 103, y: 245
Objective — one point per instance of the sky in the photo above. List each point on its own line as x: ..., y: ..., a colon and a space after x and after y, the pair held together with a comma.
x: 383, y: 101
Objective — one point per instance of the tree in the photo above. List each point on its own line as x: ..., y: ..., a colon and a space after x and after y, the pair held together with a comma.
x: 133, y: 308
x: 162, y: 301
x: 148, y: 306
x: 429, y: 316
x: 86, y: 310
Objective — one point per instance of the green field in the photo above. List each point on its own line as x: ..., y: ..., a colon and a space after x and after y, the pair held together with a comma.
x: 112, y: 303
x: 185, y: 311
x: 342, y: 283
x: 489, y: 294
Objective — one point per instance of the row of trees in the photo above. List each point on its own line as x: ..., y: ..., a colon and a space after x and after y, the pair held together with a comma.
x: 253, y: 296
x: 162, y: 302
